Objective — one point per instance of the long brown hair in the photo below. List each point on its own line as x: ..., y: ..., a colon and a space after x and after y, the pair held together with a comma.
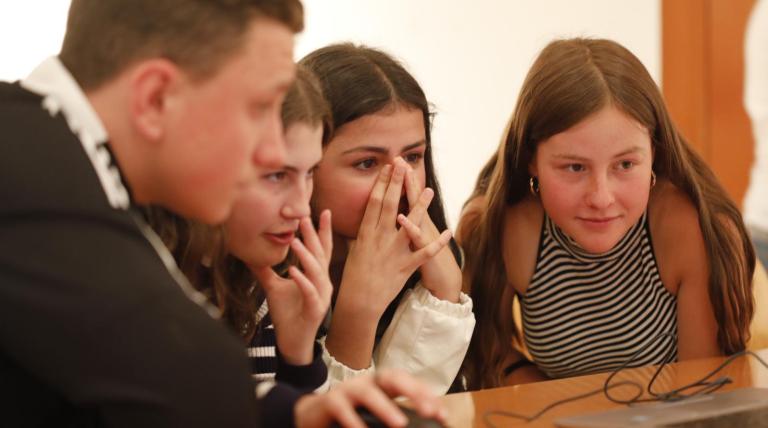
x: 201, y: 251
x: 570, y: 80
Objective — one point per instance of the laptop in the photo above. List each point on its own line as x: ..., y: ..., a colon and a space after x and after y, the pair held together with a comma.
x: 746, y: 407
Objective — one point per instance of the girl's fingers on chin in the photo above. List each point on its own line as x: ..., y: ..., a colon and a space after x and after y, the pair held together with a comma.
x: 308, y: 290
x: 310, y: 237
x: 306, y: 258
x: 266, y: 277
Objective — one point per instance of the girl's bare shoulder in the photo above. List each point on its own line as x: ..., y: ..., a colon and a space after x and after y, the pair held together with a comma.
x: 672, y: 214
x: 521, y: 234
x: 676, y: 234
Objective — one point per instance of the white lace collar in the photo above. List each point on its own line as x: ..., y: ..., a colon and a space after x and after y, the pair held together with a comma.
x: 61, y: 94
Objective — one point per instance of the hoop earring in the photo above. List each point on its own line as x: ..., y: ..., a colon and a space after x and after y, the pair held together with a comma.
x: 653, y: 178
x: 533, y: 184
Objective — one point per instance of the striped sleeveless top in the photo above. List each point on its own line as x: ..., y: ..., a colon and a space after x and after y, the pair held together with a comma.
x: 586, y: 313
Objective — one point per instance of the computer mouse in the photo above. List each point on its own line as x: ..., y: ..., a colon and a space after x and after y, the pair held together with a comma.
x: 414, y: 419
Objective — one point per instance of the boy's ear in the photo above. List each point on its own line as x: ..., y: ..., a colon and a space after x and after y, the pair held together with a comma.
x: 153, y: 83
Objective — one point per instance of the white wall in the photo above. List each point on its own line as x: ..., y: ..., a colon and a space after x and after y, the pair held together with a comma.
x: 30, y: 31
x: 470, y: 57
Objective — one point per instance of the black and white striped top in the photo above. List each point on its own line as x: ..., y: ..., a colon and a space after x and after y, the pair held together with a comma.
x: 585, y: 313
x: 262, y: 351
x: 268, y: 366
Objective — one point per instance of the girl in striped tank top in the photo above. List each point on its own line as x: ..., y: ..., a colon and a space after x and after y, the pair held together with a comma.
x: 598, y: 217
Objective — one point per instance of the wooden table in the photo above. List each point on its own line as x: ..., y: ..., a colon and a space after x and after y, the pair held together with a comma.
x: 467, y: 409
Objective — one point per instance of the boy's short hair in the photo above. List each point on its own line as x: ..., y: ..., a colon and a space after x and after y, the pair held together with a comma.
x: 103, y: 37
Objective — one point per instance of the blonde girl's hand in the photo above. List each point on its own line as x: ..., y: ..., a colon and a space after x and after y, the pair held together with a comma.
x: 298, y: 304
x: 441, y: 275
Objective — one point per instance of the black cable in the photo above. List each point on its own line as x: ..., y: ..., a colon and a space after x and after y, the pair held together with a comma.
x: 488, y: 414
x: 675, y: 394
x: 636, y: 399
x: 704, y: 385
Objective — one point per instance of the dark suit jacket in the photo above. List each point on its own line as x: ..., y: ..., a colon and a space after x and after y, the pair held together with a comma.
x: 94, y: 330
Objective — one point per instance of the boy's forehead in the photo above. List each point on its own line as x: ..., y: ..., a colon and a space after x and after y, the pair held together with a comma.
x: 270, y: 41
x: 265, y: 57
